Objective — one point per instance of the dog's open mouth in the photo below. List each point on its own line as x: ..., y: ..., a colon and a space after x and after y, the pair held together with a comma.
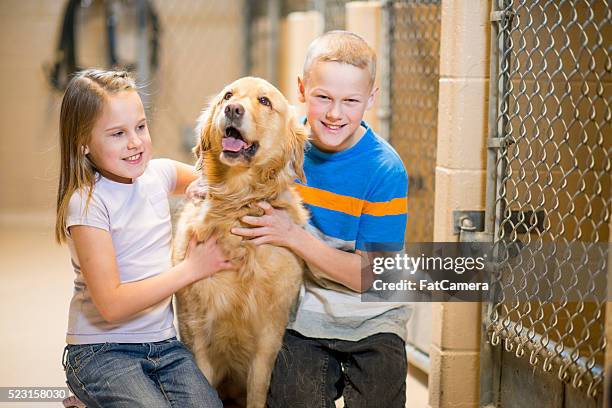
x: 234, y: 144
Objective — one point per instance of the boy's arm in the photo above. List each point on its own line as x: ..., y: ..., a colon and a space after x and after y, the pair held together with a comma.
x: 387, y: 228
x: 276, y: 227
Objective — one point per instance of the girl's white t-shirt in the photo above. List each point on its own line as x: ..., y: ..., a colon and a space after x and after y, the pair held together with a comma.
x: 137, y: 216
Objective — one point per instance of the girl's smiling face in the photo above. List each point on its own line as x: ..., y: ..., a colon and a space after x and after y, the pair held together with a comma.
x: 120, y: 144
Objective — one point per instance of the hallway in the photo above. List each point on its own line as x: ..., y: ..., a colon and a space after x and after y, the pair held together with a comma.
x: 35, y: 291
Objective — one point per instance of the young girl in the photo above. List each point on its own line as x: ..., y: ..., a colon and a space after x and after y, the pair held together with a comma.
x: 112, y: 211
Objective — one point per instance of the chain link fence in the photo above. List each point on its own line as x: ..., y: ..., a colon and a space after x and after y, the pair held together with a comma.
x: 414, y: 54
x: 202, y: 49
x: 552, y: 124
x: 332, y: 11
x: 553, y: 198
x: 206, y: 45
x: 415, y: 60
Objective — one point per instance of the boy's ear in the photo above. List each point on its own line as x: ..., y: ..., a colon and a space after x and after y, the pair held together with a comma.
x: 301, y: 96
x: 372, y: 98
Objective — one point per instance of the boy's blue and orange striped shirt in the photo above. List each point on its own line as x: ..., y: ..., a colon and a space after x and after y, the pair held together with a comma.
x: 357, y: 196
x: 357, y: 201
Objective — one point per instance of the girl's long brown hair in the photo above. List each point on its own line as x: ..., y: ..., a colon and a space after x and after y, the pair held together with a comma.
x: 81, y: 106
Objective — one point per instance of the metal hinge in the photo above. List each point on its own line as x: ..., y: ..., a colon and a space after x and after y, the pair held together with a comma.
x: 470, y: 226
x: 499, y: 15
x: 499, y: 142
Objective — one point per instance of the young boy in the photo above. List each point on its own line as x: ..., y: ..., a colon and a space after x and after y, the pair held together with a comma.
x: 356, y: 193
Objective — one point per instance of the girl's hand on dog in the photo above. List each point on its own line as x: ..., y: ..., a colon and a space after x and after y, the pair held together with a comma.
x: 196, y: 190
x: 274, y: 227
x: 204, y: 259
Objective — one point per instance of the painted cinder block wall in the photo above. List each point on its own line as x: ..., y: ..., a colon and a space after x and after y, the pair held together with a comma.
x: 191, y: 71
x: 364, y: 18
x: 296, y: 32
x: 460, y: 170
x: 460, y: 185
x: 299, y: 29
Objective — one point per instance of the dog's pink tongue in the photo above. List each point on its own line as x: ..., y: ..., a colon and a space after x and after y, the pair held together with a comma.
x: 232, y: 145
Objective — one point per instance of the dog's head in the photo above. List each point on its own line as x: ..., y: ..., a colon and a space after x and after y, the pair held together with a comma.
x: 251, y: 125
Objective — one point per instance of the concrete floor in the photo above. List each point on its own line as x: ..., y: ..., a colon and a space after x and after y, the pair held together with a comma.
x: 35, y: 293
x: 34, y: 297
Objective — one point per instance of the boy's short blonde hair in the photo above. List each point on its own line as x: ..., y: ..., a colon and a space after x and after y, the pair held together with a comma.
x: 341, y: 46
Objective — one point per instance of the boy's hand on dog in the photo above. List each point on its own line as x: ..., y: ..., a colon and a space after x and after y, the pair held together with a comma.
x: 274, y: 227
x: 204, y: 259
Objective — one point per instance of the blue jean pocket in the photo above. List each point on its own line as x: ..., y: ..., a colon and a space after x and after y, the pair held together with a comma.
x: 78, y: 355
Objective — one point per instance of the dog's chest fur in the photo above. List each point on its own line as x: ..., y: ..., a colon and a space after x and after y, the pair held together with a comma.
x: 232, y: 304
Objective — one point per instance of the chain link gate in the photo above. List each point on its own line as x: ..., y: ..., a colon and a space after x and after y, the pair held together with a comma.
x: 550, y: 160
x: 413, y: 43
x: 332, y: 11
x: 191, y: 68
x: 415, y: 60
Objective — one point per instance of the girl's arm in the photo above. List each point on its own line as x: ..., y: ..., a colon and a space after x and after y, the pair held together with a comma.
x: 118, y: 301
x: 185, y: 175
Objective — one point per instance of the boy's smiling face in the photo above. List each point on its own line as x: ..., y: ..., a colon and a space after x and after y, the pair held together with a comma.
x: 336, y: 96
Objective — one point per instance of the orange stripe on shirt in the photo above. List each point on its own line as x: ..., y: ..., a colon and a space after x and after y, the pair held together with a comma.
x: 331, y: 201
x: 394, y: 207
x: 350, y: 205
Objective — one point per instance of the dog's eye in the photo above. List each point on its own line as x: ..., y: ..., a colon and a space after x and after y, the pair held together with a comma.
x: 227, y: 96
x: 264, y: 101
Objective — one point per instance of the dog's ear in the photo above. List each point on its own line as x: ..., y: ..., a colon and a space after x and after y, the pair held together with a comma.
x: 297, y: 139
x: 203, y: 130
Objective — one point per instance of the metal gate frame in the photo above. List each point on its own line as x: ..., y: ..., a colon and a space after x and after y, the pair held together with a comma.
x: 491, y: 356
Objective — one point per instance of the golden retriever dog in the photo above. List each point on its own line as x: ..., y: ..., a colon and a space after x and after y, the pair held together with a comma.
x: 251, y: 149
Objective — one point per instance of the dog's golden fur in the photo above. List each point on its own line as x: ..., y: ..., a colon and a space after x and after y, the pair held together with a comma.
x: 234, y: 321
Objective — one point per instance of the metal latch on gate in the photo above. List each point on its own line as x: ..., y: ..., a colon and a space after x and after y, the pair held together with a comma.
x: 500, y: 15
x: 470, y: 226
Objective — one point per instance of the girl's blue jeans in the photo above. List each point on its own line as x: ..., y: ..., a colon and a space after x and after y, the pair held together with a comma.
x: 151, y: 375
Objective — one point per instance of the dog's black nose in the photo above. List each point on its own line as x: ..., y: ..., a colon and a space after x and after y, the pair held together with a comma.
x: 234, y: 111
